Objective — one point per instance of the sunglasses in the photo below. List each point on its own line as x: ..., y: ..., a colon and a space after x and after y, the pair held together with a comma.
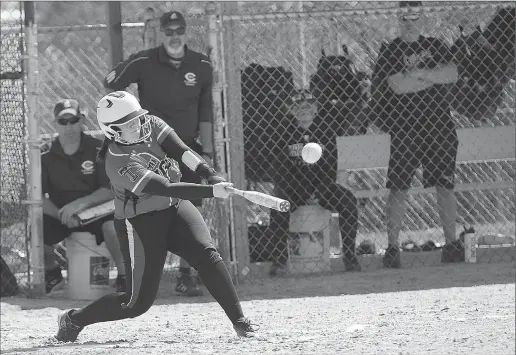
x: 303, y: 97
x: 67, y: 121
x: 171, y: 31
x: 410, y: 17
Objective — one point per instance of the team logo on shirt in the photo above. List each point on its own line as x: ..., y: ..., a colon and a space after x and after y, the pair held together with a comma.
x: 88, y: 167
x: 190, y: 79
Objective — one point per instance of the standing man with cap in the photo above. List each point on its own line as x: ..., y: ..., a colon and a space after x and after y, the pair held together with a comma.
x: 410, y: 83
x: 74, y: 182
x: 174, y: 83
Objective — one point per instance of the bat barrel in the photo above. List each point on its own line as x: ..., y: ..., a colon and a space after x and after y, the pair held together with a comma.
x: 284, y: 206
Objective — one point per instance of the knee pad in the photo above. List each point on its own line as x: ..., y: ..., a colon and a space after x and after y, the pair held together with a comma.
x: 210, y: 256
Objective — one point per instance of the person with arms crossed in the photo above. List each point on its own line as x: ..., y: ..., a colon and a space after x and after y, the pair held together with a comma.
x: 142, y: 153
x: 174, y: 83
x: 410, y: 82
x: 74, y: 182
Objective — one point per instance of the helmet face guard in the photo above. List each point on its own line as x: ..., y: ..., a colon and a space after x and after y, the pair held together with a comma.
x: 139, y: 127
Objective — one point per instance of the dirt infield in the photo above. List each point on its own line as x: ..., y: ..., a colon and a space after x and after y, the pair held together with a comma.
x: 464, y: 309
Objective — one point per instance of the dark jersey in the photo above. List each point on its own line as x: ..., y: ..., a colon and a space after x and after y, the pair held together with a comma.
x: 130, y: 167
x: 289, y: 140
x: 180, y: 96
x: 68, y: 177
x: 400, y: 56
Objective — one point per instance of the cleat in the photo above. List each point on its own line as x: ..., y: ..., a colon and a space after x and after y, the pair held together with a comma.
x: 244, y: 328
x: 187, y: 286
x: 68, y: 329
x: 120, y: 283
x: 392, y: 257
x: 54, y: 280
x: 453, y: 252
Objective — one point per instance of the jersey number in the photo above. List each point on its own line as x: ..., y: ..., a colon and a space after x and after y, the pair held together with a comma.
x: 163, y: 167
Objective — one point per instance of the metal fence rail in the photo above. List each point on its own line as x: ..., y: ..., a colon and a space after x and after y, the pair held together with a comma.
x: 269, y: 55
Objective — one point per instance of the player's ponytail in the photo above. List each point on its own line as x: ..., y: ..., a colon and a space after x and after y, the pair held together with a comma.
x: 101, y: 155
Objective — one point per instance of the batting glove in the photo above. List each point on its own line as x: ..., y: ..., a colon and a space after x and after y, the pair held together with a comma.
x: 220, y: 190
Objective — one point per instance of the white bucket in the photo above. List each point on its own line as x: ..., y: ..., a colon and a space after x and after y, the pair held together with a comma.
x: 88, y: 267
x: 309, y: 242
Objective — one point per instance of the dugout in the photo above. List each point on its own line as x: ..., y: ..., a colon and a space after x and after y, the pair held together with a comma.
x: 264, y: 92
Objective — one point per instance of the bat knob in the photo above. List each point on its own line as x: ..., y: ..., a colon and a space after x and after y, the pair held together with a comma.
x: 284, y: 206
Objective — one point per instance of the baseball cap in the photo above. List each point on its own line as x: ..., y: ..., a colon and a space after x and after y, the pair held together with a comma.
x: 172, y: 18
x: 67, y: 106
x: 413, y: 13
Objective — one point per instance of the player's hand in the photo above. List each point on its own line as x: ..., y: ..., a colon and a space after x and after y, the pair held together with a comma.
x: 220, y: 190
x: 215, y: 179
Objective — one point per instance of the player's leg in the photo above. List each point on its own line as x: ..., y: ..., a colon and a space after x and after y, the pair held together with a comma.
x: 338, y: 199
x: 104, y: 231
x: 403, y: 162
x: 190, y: 238
x: 147, y: 254
x: 439, y: 170
x: 186, y: 284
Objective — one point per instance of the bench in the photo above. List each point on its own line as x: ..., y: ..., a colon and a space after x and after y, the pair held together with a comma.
x: 481, y: 144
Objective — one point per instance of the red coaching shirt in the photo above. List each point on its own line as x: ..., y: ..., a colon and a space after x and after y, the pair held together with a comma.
x: 180, y: 96
x: 68, y: 177
x: 428, y: 106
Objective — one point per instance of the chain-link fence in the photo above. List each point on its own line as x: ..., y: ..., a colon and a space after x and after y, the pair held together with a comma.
x: 322, y: 76
x: 13, y: 188
x: 74, y: 57
x: 294, y: 72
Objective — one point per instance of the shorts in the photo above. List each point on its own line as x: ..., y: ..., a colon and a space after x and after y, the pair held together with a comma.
x: 188, y: 175
x: 435, y: 151
x: 55, y: 232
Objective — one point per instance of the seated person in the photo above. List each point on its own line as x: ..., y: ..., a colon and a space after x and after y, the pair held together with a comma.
x: 299, y: 182
x: 74, y: 182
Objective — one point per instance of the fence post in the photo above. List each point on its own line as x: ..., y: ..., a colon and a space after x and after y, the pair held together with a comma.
x: 37, y: 261
x: 302, y: 46
x: 212, y: 18
x: 150, y: 34
x: 116, y: 50
x: 232, y: 56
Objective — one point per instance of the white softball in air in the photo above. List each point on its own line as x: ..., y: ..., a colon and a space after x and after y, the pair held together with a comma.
x: 311, y: 153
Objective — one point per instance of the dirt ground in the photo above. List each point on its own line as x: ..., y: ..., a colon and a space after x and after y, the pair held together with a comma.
x: 459, y: 309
